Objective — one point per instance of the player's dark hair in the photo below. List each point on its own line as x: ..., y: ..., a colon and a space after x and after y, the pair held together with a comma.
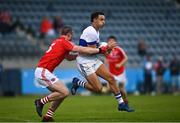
x: 65, y: 30
x: 95, y: 15
x: 112, y: 37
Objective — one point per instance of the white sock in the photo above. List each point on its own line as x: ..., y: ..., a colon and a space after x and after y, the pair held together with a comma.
x: 81, y: 83
x: 45, y: 100
x: 119, y: 98
x: 49, y: 113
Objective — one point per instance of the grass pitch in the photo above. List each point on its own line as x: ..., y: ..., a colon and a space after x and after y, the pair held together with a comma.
x: 165, y: 108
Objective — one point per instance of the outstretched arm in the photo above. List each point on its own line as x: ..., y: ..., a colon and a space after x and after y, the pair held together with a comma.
x: 93, y: 50
x: 85, y: 50
x: 122, y: 62
x: 125, y: 58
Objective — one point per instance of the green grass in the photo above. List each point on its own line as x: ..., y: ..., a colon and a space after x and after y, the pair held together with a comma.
x: 165, y: 108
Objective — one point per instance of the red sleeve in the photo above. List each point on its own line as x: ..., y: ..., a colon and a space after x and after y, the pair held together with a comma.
x: 68, y: 45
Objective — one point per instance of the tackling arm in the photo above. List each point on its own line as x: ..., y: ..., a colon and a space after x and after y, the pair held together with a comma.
x: 88, y: 50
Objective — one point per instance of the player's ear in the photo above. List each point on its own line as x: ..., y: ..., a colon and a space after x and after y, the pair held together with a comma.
x: 95, y: 20
x: 69, y: 35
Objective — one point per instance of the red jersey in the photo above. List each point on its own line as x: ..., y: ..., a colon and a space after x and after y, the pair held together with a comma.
x: 55, y: 54
x: 46, y: 25
x: 115, y: 57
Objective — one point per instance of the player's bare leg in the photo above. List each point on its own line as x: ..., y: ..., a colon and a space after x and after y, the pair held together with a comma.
x: 39, y: 103
x: 93, y: 84
x: 60, y: 88
x: 123, y: 92
x: 105, y: 74
x: 59, y: 93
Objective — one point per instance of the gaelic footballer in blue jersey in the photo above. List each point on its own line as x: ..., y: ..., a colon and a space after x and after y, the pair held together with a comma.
x: 91, y: 67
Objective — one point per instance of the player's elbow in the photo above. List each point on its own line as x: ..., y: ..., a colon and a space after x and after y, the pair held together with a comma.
x: 71, y: 58
x: 126, y: 59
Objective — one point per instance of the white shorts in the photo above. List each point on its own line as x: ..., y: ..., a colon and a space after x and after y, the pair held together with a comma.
x: 121, y: 78
x: 44, y: 77
x: 89, y: 67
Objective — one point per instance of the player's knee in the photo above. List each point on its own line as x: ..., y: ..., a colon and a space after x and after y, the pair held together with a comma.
x: 65, y: 93
x: 111, y: 79
x: 98, y: 89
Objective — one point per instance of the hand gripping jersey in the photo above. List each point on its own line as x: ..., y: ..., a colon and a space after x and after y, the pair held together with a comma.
x: 55, y: 54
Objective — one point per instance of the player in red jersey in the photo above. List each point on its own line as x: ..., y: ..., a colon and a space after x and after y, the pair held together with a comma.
x: 56, y: 53
x: 116, y: 60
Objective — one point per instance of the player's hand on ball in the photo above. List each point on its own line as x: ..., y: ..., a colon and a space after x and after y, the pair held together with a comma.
x: 105, y: 48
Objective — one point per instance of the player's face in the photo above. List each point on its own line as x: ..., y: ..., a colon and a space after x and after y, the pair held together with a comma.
x: 112, y: 40
x: 70, y: 35
x: 100, y: 21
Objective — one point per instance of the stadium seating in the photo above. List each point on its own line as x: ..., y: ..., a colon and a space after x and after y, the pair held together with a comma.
x: 157, y: 21
x: 15, y: 46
